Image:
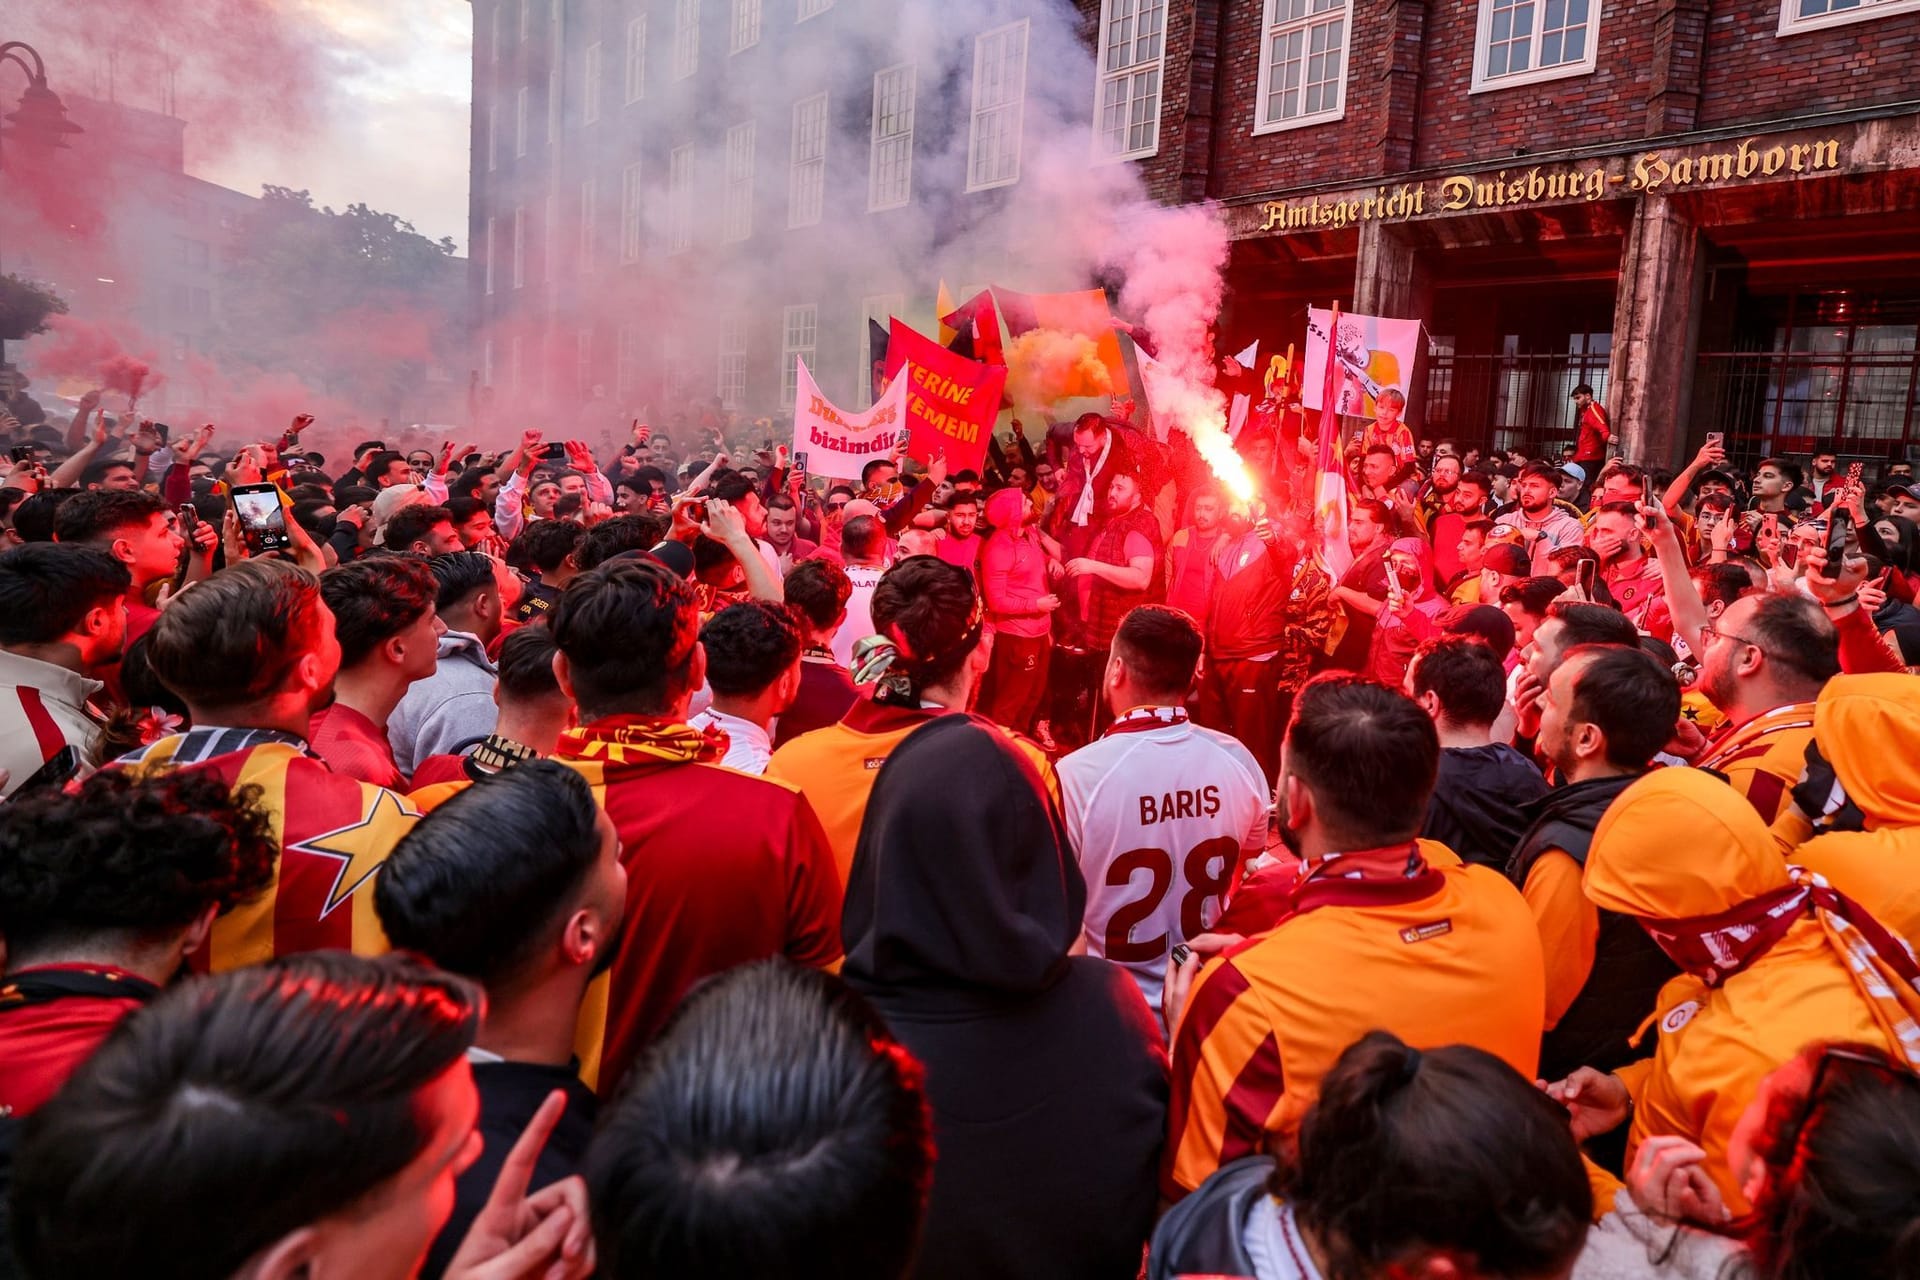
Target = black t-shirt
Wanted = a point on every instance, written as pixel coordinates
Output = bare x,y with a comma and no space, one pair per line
1367,575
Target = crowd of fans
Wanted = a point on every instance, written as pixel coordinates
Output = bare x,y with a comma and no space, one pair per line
576,862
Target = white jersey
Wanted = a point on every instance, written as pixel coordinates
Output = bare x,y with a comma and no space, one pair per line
859,623
1161,812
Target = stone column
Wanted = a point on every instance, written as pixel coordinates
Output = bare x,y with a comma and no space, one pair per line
1390,279
1656,333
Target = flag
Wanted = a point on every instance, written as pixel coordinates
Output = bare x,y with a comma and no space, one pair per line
1084,313
975,325
1371,353
837,443
942,308
1242,404
952,402
876,359
1330,478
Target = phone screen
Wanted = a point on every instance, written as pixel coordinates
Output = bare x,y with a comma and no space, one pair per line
263,521
1583,574
1839,533
21,453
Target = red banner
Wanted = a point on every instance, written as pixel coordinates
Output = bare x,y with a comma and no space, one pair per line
952,401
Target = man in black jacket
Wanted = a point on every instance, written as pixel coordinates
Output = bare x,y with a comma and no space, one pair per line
1474,809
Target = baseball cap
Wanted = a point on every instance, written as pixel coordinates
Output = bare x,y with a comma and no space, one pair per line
1575,470
1486,622
1506,558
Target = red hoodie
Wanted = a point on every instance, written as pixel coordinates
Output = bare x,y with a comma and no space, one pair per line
1013,569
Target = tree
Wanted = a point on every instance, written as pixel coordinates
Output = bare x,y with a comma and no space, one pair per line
25,306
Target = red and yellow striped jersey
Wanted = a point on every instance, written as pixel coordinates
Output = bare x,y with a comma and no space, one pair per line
1763,758
334,833
1263,1024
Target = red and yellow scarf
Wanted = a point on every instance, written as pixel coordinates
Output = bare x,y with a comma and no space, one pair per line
638,739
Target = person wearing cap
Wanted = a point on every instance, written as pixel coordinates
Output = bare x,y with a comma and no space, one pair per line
1504,564
1573,482
1771,959
1594,427
1542,525
1906,502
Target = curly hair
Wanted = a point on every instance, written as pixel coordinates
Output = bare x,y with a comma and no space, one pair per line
128,855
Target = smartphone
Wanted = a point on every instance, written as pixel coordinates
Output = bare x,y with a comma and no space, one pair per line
54,774
1770,524
1839,534
800,462
189,516
1716,439
555,451
21,453
1180,954
263,521
1854,471
1583,576
905,437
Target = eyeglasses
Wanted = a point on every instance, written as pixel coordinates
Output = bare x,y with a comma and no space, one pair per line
836,506
1710,630
1815,1087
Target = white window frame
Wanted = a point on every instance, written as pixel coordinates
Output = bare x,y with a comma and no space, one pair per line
513,362
583,359
686,38
737,207
591,71
521,105
799,336
680,165
498,10
1272,30
1791,24
589,245
493,244
526,20
486,359
631,214
810,9
731,385
807,162
549,229
743,26
875,306
1013,105
626,360
1123,76
637,59
1536,74
493,136
553,104
896,140
520,247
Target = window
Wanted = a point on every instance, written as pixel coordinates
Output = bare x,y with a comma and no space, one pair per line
745,30
738,216
890,171
549,228
626,370
583,360
799,330
589,223
590,88
520,105
680,198
553,105
491,243
686,38
493,136
1811,15
999,104
526,20
812,9
630,214
807,170
1526,41
513,361
637,59
879,308
733,363
1127,115
494,44
1303,68
486,363
519,248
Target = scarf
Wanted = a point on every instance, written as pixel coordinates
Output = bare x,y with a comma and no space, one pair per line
1084,500
1717,947
1147,719
886,663
1392,876
637,739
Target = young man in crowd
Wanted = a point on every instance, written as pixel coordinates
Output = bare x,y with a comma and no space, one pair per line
453,708
518,886
384,619
723,868
863,544
1630,574
533,713
104,893
1776,484
422,530
783,524
63,624
1161,813
1607,710
253,655
139,530
320,1107
547,551
753,668
817,592
1594,428
1430,949
962,541
1460,683
1543,525
1362,589
808,1067
1191,566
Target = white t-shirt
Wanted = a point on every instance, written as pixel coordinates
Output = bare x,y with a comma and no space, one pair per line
859,623
748,746
1160,817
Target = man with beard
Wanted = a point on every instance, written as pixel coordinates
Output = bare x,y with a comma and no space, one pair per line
1191,574
1465,501
961,545
1629,572
1441,485
1270,615
1763,664
1544,527
783,526
1377,483
536,928
1821,485
1362,590
1117,570
1606,712
1046,487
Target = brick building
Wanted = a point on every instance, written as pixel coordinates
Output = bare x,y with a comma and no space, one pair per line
1706,209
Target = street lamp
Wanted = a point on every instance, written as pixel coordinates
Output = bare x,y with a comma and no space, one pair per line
40,121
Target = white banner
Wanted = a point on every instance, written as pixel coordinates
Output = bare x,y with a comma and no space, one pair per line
837,443
1374,353
1241,405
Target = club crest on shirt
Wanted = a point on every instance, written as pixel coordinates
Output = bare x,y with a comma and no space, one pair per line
1679,1016
1423,932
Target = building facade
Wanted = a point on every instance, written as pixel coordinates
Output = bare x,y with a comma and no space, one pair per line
1707,210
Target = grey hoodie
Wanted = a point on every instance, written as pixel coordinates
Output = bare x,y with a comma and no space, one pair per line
450,709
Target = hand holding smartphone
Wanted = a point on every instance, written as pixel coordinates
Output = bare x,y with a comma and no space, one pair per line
263,520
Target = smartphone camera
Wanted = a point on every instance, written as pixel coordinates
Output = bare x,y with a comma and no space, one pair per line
263,521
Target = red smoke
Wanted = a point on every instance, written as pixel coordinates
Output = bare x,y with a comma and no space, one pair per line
95,354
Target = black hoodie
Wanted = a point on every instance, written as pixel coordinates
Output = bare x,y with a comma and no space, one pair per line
1475,809
1046,1072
